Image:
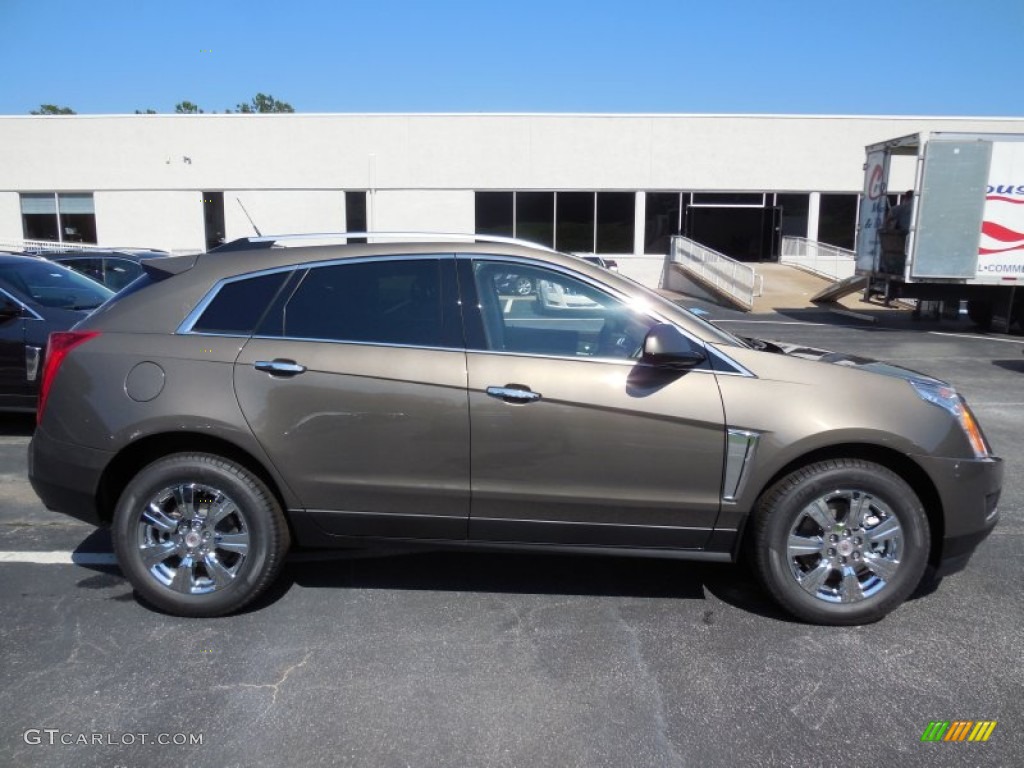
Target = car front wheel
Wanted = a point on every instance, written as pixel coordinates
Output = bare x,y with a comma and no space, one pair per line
199,535
840,542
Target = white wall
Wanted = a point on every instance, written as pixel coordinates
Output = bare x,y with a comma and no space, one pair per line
291,211
167,220
303,151
422,211
644,269
292,169
10,216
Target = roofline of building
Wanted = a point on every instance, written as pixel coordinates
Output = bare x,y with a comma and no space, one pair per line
603,115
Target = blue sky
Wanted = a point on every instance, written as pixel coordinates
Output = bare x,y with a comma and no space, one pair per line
943,57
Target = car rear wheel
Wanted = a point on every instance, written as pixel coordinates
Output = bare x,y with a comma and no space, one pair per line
199,535
840,542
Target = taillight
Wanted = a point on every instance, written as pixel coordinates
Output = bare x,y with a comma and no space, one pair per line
57,348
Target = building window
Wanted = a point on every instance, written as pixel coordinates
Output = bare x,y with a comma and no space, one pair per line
213,219
574,222
663,220
793,212
495,213
743,199
535,217
616,213
355,214
563,220
837,220
59,217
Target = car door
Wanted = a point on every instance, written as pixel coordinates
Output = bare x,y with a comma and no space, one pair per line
355,385
17,382
573,440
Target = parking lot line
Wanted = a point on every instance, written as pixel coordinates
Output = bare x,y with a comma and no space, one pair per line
59,558
976,337
771,322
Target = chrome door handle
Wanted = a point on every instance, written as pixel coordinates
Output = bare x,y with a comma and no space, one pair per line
514,393
279,367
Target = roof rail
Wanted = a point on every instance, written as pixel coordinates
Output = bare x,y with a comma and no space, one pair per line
267,241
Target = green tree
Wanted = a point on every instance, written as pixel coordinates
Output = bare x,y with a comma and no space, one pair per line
145,112
187,108
52,109
264,102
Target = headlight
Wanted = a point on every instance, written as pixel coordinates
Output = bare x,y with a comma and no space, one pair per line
946,397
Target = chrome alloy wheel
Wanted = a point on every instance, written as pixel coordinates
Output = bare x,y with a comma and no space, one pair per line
845,546
192,538
523,286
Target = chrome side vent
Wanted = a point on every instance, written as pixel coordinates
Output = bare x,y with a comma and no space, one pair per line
739,453
32,356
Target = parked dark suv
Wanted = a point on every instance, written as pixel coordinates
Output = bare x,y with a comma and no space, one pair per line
36,298
230,404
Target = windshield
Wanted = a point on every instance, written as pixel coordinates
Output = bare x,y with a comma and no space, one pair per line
52,285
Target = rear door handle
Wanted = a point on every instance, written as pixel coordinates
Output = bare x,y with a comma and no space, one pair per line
514,393
279,367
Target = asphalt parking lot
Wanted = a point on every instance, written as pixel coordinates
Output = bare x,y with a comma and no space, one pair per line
441,659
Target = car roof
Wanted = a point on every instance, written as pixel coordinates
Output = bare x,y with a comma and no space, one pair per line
18,258
134,254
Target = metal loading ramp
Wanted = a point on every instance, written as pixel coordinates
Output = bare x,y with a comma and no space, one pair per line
723,280
840,288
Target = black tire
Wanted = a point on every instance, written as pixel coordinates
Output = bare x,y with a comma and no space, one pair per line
858,498
218,566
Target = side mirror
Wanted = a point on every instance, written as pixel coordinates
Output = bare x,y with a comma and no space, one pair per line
9,309
667,347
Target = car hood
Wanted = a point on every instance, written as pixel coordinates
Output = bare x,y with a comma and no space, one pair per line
840,358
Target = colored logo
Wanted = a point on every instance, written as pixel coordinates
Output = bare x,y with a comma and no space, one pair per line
1006,234
958,730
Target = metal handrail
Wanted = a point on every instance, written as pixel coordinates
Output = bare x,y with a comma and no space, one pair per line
49,246
822,259
731,277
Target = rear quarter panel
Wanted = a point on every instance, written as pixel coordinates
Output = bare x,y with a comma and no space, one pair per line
89,404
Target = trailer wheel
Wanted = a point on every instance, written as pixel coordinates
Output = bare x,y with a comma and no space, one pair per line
980,313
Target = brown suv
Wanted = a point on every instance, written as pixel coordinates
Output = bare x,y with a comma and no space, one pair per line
225,406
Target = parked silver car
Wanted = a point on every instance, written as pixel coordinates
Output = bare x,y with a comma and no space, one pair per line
230,404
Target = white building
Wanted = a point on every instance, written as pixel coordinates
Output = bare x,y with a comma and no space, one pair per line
612,184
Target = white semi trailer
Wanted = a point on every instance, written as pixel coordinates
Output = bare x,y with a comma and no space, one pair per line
965,235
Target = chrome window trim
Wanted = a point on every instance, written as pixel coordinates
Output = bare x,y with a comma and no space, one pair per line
740,447
186,325
738,370
387,344
33,315
628,361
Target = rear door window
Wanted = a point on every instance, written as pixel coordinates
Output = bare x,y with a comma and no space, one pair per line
385,301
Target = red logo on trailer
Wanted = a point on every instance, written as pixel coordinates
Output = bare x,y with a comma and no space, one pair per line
1007,233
